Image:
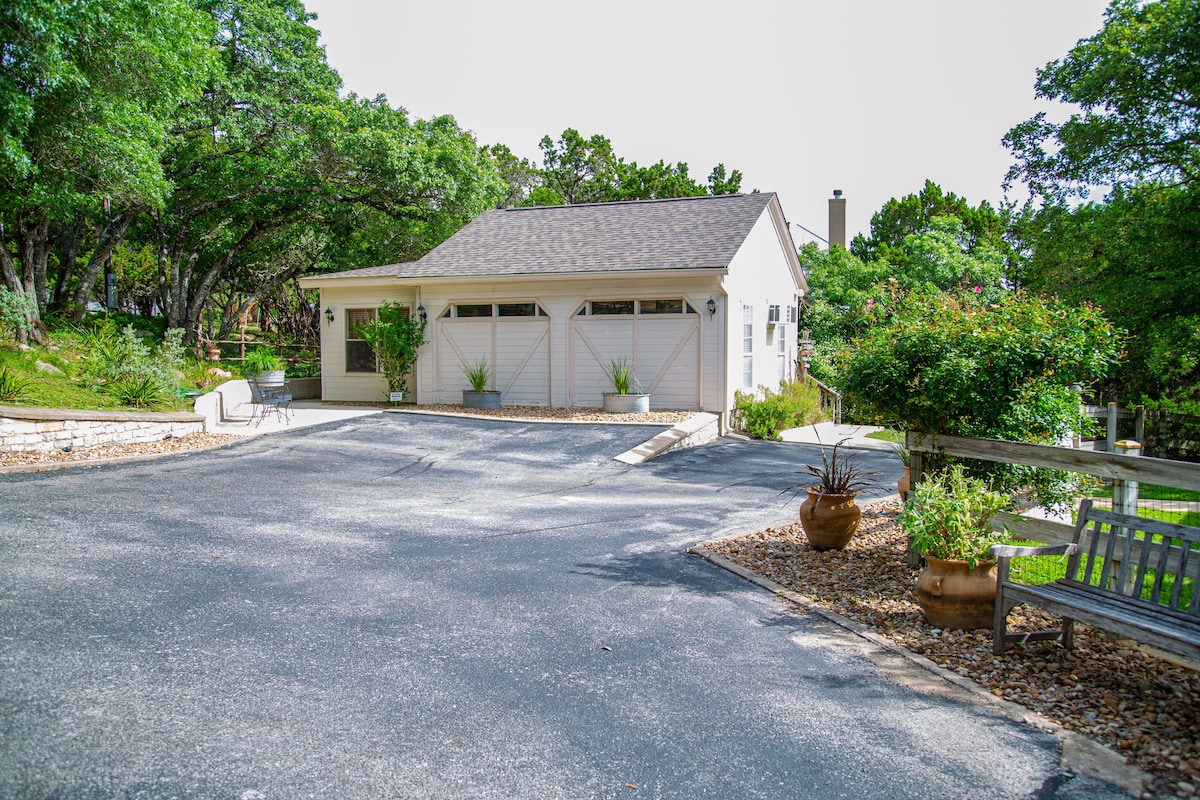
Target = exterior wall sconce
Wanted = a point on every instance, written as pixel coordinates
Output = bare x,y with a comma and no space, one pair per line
423,313
712,307
329,314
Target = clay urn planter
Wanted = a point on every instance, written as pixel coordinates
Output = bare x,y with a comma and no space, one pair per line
830,515
948,521
953,594
829,520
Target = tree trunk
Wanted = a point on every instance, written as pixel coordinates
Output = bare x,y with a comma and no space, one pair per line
110,236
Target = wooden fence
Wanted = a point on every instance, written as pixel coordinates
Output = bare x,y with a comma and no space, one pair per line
1116,467
1162,434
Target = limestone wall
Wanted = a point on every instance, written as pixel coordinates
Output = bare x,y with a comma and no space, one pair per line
44,429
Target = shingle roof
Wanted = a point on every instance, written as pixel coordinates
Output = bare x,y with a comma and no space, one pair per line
384,271
684,233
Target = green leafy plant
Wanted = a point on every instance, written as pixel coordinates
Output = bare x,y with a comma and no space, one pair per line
262,359
796,403
949,516
394,336
12,385
839,473
624,381
478,375
17,309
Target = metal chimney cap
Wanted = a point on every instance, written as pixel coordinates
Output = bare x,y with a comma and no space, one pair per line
837,193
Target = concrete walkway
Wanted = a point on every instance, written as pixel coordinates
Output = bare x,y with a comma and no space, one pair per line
829,434
304,413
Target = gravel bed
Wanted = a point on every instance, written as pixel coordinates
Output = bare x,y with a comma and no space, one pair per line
196,441
1142,706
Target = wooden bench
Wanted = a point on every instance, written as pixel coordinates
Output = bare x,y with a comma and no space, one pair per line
1124,574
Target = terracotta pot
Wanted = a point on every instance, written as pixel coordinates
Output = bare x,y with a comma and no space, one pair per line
952,595
829,520
904,483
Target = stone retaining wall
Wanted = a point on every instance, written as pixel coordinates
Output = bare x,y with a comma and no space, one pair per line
44,429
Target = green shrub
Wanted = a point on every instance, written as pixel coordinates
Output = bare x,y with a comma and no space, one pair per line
956,364
12,385
796,403
119,362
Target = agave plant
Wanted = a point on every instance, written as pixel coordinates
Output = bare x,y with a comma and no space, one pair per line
839,473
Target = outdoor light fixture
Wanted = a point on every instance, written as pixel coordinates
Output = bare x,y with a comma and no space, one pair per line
712,307
329,315
423,313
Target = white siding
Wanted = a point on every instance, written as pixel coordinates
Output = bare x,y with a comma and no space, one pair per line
336,383
759,277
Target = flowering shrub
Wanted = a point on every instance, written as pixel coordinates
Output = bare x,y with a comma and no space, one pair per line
956,364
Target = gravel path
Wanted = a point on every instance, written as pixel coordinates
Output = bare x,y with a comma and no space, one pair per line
1142,706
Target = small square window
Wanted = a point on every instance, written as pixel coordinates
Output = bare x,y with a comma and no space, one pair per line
473,310
612,307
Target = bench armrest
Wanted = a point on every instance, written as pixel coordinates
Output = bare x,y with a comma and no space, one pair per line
1009,550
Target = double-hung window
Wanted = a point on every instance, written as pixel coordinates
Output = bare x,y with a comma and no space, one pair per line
747,347
359,356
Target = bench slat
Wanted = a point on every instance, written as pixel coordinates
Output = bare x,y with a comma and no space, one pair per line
1113,599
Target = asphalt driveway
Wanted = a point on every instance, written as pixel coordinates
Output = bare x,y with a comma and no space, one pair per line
403,606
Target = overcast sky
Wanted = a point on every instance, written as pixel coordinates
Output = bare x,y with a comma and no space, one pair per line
868,96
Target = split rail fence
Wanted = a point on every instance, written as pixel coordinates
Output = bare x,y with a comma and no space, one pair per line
1123,470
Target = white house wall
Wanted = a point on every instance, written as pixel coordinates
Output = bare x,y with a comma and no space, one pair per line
759,277
336,383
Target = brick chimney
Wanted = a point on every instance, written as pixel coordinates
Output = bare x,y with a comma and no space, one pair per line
837,219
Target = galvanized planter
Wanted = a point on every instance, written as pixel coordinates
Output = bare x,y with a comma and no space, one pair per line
489,399
626,403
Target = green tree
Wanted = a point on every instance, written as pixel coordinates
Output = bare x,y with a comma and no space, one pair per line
586,170
1134,256
982,226
88,89
1137,86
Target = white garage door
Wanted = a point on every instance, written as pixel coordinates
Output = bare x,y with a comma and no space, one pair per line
513,337
659,338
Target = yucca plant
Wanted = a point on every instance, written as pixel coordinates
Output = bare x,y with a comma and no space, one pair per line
12,385
839,473
624,381
141,391
478,375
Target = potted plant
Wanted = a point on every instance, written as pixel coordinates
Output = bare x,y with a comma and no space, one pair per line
948,521
267,368
478,396
830,515
394,336
905,480
628,397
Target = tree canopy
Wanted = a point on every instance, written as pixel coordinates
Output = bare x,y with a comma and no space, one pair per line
577,169
1137,85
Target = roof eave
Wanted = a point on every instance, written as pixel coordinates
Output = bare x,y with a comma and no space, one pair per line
690,272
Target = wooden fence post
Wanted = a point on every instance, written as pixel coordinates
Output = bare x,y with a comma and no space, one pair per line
916,465
1111,440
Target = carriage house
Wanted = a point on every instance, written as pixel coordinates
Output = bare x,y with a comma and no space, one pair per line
699,295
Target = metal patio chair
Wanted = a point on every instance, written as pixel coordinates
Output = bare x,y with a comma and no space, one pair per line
277,398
